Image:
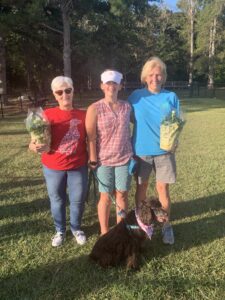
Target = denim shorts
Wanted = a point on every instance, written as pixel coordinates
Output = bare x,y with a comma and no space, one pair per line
163,165
113,178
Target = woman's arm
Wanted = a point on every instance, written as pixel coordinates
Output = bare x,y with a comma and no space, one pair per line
91,123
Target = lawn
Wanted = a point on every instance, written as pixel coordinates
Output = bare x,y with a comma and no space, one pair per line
193,268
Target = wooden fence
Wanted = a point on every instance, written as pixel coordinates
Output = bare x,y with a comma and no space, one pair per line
82,99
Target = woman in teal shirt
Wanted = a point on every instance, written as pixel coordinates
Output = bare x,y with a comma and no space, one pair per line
150,106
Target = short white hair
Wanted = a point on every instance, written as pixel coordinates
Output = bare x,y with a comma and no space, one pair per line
59,81
150,64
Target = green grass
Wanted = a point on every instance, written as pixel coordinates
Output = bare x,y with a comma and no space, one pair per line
194,268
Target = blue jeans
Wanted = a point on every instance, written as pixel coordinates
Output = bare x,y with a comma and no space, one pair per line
57,183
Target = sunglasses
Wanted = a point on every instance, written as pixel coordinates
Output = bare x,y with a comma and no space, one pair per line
67,91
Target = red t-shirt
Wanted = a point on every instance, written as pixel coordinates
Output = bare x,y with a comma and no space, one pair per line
68,139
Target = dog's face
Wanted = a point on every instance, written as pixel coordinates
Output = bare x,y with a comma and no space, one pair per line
150,210
160,215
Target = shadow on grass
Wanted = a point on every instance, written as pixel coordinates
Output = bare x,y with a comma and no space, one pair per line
202,108
197,207
13,132
19,181
206,225
199,232
5,162
24,209
13,119
70,279
14,231
78,277
187,236
202,104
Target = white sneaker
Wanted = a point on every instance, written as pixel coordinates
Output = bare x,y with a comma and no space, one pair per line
58,239
80,237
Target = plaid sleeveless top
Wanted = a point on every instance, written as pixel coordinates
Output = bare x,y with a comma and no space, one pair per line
113,134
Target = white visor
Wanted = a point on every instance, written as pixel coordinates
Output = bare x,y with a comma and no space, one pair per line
111,76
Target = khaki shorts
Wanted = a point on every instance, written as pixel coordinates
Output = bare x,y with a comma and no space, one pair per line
163,165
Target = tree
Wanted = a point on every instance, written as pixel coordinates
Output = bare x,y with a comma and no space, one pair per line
3,90
210,33
189,7
66,7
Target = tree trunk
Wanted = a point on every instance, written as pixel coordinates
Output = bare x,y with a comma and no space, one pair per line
212,40
191,43
2,71
66,41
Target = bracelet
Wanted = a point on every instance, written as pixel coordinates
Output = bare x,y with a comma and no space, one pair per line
93,163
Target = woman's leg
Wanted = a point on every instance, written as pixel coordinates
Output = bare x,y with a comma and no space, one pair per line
165,174
106,183
56,186
122,204
144,169
77,189
122,186
141,191
164,197
104,205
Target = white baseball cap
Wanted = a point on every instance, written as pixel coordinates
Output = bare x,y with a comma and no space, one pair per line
111,75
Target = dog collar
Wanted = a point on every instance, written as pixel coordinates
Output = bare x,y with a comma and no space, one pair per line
148,229
132,227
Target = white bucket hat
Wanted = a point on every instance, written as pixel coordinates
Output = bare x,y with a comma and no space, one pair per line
111,75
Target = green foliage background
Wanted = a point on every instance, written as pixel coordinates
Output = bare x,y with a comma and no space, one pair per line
119,34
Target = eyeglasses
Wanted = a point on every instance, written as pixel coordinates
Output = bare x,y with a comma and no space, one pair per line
67,91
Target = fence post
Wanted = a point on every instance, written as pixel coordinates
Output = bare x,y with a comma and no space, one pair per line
1,101
191,90
21,102
2,111
198,89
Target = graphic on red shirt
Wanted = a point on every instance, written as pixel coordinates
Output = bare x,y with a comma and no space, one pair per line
69,143
68,147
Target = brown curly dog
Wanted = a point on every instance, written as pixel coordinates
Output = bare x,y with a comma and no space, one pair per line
123,243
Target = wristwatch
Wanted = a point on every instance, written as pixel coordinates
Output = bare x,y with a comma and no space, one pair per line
93,163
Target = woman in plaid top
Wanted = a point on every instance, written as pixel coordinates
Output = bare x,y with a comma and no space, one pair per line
110,150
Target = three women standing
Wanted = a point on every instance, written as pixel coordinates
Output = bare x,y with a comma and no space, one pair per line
110,149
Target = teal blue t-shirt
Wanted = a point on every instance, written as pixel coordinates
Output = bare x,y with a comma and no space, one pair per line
149,110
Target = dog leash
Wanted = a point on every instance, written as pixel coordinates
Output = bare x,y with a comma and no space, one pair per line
148,229
121,212
91,178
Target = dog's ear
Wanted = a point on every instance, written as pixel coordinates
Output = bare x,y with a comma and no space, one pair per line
144,212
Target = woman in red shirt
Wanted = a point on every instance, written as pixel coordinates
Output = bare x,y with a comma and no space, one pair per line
65,161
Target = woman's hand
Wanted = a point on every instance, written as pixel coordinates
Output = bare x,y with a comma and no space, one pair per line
38,148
